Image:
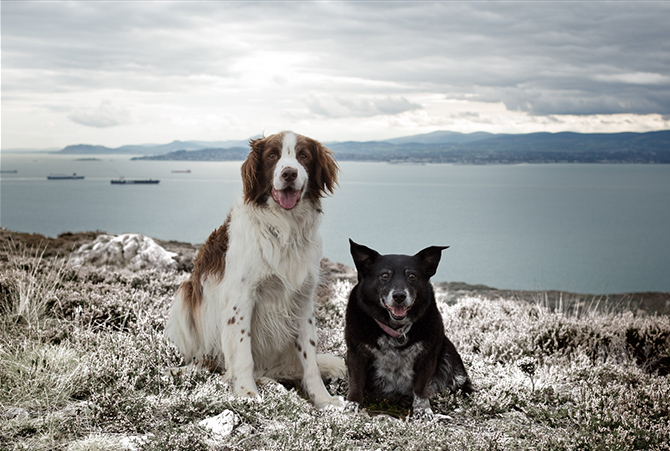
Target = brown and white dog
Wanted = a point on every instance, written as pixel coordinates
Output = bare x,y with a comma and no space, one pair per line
249,303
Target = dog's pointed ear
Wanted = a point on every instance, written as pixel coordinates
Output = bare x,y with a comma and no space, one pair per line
430,258
250,182
363,256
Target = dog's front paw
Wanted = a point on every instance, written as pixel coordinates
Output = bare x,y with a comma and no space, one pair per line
423,414
352,407
421,409
249,393
331,402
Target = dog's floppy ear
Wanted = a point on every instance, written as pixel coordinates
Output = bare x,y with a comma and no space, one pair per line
430,258
250,182
326,169
363,256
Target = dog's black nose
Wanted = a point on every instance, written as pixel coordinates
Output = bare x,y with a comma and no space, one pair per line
399,297
289,174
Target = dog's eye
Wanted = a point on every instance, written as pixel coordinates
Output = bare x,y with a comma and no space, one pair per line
385,276
272,156
411,277
303,156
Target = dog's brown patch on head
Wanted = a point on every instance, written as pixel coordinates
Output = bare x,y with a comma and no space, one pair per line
309,321
231,321
258,168
304,355
312,343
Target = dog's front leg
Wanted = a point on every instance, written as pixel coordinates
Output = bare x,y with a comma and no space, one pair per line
306,349
423,370
236,340
357,365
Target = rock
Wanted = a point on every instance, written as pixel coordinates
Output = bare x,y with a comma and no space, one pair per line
131,250
333,270
18,413
223,424
135,442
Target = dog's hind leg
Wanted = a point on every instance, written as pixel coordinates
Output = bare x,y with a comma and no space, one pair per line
331,366
450,372
182,329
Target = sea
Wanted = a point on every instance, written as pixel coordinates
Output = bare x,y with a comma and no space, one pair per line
584,228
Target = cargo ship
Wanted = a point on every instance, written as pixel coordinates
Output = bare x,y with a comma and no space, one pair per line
74,176
123,181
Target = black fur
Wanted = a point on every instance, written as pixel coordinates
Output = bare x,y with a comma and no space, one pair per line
396,291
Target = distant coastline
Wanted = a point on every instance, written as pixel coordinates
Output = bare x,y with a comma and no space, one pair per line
439,147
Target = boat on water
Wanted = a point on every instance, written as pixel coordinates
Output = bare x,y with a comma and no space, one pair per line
9,171
123,181
181,171
74,176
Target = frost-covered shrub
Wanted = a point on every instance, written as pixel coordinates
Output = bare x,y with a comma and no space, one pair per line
497,330
507,330
649,344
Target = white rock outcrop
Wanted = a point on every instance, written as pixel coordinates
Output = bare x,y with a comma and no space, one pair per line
222,424
130,250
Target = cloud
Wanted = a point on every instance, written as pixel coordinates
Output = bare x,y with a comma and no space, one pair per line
103,116
339,107
333,60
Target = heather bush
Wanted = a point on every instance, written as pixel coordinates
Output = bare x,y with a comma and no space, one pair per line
83,364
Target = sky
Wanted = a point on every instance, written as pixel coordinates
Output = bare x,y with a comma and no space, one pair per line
135,72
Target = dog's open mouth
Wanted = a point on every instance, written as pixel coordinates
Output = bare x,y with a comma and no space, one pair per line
397,312
287,198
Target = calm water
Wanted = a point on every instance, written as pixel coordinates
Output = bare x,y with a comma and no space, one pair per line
582,228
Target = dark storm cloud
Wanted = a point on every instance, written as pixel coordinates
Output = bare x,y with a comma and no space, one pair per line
538,57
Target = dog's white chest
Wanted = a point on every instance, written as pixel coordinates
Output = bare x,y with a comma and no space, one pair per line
393,368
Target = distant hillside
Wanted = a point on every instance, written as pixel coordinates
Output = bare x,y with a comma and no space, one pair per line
86,149
441,147
230,154
652,147
152,149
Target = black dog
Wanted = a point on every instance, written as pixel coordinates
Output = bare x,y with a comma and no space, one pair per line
396,345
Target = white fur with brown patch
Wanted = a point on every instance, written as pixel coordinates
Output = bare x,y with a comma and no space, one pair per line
256,317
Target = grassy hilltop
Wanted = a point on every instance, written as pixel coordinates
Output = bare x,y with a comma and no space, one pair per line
83,359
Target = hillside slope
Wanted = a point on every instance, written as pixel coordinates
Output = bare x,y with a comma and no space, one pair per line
83,360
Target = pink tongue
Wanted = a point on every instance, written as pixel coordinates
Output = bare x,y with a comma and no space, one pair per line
398,312
287,198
